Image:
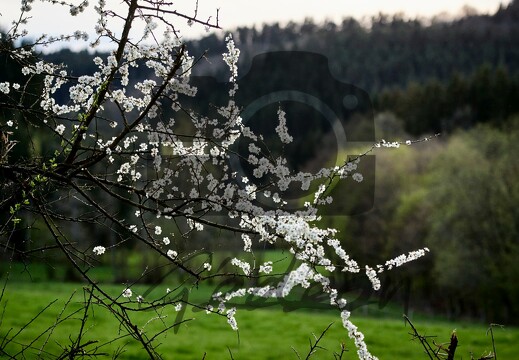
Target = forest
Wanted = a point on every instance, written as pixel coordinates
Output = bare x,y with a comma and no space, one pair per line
456,194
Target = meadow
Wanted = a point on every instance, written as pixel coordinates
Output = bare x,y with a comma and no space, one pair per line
267,333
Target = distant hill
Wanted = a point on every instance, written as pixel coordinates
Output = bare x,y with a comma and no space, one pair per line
436,76
392,52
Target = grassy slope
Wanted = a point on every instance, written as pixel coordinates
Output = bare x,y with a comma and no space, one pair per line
264,334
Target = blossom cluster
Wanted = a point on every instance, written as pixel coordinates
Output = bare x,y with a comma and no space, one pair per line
171,164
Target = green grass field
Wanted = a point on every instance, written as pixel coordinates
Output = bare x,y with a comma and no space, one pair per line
263,334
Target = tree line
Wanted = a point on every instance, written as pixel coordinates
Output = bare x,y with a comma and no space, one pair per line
437,75
456,195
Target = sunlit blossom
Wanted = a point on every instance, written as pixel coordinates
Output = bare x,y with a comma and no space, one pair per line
127,293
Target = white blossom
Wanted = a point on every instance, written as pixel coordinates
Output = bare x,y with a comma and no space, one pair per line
357,177
282,129
99,250
247,242
60,129
4,87
266,267
243,265
372,275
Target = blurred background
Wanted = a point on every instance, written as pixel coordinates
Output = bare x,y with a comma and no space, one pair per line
449,69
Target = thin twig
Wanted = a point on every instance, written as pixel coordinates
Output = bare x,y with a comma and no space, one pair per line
315,346
422,339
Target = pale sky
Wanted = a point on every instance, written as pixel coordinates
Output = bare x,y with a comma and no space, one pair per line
53,19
